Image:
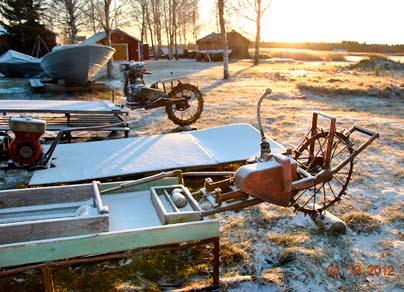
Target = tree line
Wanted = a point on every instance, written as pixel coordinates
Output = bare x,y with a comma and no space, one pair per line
349,46
159,22
174,21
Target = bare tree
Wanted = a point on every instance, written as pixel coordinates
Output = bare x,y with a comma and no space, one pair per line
254,10
108,13
139,12
173,32
106,23
156,9
188,16
91,14
220,5
195,18
67,15
167,24
166,20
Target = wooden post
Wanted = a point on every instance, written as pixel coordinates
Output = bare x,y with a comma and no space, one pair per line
47,279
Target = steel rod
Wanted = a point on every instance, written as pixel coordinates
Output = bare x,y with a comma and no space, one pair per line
208,173
170,201
232,207
158,176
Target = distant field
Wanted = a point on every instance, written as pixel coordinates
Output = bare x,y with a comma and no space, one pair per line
312,55
269,248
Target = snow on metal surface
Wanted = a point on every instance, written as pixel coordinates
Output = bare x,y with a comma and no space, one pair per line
103,159
14,57
130,211
233,143
57,106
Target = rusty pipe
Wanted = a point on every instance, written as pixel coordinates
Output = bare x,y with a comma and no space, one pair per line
309,180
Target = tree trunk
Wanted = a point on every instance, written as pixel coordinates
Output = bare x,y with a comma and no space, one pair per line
157,24
258,34
167,27
174,27
151,32
224,40
93,16
107,28
194,8
70,7
143,39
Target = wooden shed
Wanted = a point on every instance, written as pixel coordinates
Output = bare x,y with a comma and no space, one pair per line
127,47
39,40
237,43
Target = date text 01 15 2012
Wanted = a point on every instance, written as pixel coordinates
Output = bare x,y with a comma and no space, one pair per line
339,271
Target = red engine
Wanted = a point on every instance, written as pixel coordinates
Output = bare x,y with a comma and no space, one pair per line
26,148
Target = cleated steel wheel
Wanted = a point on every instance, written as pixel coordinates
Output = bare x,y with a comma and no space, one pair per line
189,109
310,156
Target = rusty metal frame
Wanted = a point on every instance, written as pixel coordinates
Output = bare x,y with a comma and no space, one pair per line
48,267
331,134
228,198
325,175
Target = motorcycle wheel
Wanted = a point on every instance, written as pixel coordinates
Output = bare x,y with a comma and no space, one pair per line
189,111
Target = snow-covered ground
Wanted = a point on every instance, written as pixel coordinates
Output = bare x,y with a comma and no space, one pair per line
269,248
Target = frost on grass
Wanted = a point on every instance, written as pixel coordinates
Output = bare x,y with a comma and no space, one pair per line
394,214
361,222
269,248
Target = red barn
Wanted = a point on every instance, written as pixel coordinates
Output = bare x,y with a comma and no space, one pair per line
127,47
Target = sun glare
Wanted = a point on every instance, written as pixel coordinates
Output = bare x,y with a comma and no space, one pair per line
371,21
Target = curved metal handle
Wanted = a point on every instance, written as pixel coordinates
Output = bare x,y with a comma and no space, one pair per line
365,131
267,92
372,136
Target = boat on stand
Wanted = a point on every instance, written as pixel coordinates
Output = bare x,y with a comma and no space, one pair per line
77,64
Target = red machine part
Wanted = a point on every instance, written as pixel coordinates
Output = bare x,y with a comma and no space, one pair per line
270,181
26,148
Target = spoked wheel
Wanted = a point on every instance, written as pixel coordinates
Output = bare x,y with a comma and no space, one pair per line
189,109
310,156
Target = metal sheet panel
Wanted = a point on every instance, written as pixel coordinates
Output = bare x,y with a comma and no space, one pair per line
106,159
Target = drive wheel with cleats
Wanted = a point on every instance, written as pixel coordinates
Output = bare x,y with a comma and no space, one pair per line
318,198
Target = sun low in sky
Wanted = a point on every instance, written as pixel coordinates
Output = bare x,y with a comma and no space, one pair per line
371,21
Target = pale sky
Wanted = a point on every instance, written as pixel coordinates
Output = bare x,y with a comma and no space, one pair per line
371,21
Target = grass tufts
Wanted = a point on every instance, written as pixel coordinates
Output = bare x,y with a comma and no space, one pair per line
361,222
288,239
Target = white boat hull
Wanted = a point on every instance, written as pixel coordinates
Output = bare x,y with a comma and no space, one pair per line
77,64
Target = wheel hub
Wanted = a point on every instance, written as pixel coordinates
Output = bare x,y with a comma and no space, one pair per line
182,105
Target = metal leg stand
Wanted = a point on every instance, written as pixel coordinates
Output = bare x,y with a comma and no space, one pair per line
47,279
216,263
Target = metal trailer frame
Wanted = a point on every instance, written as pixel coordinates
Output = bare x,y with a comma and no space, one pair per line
60,117
209,234
48,267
